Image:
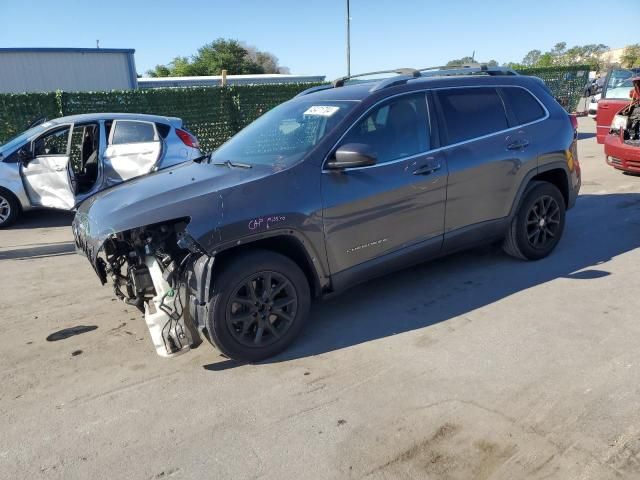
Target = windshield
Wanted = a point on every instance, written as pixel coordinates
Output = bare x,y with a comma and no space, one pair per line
284,135
12,144
617,77
622,90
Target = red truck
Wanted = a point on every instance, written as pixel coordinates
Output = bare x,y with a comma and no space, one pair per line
615,96
622,142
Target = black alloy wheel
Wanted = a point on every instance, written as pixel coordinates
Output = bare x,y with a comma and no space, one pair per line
259,304
543,222
261,309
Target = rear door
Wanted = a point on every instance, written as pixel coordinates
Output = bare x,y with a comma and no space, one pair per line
485,152
47,176
134,149
615,96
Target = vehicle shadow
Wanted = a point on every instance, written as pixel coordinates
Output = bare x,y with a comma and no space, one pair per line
585,135
599,228
39,251
43,219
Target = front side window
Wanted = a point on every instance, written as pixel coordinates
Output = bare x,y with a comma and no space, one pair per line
471,112
396,129
523,105
53,143
132,132
285,134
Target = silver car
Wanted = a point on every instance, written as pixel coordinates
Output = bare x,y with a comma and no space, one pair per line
59,163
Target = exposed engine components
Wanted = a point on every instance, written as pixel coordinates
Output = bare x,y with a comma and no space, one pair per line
147,267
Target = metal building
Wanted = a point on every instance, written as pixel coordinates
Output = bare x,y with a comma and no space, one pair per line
68,69
216,80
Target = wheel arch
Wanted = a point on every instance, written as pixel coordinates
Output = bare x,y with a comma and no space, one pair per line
287,243
554,173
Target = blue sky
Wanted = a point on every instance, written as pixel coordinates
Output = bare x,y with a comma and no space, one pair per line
309,35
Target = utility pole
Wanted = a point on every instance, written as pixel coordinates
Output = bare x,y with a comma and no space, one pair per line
348,41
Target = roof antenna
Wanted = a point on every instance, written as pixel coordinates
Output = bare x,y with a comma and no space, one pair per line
97,43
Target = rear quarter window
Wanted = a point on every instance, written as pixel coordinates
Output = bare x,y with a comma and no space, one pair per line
471,112
523,105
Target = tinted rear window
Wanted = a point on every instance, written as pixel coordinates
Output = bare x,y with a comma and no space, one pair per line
471,112
524,106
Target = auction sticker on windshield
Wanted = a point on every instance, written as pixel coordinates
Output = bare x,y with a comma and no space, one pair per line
322,110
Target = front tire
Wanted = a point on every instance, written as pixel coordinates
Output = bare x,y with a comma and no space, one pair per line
9,208
259,305
538,224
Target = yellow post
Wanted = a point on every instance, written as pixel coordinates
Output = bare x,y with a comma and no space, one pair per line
224,78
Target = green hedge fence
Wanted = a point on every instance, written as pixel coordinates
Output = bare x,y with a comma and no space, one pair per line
213,114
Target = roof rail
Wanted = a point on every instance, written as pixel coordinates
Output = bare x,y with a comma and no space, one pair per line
465,69
406,74
339,82
391,82
314,89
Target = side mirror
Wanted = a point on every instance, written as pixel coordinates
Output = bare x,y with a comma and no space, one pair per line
352,155
25,154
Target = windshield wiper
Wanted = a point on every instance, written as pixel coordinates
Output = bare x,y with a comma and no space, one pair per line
230,164
202,158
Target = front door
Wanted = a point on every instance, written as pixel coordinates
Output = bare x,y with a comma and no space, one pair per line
398,202
134,149
47,176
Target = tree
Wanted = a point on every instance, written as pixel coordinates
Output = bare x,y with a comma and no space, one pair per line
531,58
590,54
558,49
221,54
631,56
267,60
464,60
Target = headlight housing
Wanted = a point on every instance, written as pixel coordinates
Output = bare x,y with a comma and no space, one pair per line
619,123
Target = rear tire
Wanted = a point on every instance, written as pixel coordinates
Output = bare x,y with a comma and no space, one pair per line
538,224
259,305
9,208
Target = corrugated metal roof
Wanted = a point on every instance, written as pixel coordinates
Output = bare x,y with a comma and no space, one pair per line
68,69
80,50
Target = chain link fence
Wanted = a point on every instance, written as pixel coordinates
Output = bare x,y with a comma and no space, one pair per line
565,83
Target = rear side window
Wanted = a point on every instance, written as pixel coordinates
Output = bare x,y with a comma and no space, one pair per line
523,105
132,132
471,112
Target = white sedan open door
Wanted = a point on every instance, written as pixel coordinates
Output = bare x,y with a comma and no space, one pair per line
133,150
47,175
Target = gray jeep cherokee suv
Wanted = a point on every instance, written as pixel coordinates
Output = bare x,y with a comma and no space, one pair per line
341,184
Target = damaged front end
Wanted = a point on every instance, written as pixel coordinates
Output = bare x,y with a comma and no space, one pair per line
150,268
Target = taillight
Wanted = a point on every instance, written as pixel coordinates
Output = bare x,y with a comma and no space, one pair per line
574,121
188,139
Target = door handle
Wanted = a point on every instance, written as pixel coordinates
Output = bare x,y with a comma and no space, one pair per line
518,145
59,168
427,169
